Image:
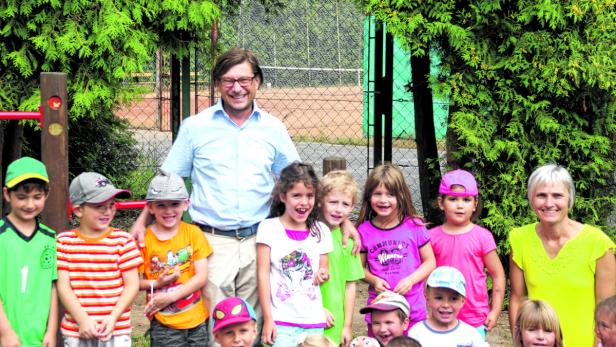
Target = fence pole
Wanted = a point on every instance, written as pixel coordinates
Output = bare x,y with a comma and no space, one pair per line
333,163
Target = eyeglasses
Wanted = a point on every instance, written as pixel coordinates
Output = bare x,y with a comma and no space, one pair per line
243,82
102,207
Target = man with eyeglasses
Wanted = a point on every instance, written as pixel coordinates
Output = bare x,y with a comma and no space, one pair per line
232,151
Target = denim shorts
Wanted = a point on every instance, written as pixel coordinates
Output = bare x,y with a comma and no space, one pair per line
161,335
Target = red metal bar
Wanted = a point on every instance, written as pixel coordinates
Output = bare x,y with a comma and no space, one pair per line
123,205
19,115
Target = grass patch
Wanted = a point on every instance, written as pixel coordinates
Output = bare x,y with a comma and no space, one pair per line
140,341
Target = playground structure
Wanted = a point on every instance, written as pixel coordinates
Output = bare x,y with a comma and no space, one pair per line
52,118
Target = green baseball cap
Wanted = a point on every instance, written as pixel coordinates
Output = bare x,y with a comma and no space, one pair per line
25,168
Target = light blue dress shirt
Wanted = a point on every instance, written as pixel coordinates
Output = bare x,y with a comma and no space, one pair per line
233,168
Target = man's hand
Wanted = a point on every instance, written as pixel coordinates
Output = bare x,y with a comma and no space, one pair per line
137,231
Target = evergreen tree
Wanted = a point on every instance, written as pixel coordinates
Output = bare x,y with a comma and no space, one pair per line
529,83
98,43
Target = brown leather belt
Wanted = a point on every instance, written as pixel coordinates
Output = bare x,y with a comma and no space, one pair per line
239,233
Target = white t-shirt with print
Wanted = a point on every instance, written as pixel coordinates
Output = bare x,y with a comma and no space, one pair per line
296,301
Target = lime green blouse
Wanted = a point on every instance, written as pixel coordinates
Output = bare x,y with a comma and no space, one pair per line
567,281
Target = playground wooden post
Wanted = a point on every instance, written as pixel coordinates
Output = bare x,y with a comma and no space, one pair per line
54,153
54,147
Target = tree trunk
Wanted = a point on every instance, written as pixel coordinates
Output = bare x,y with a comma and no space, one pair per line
427,152
11,149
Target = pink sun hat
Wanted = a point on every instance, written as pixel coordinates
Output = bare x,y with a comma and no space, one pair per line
458,178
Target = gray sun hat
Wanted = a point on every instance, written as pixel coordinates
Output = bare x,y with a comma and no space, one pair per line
94,188
167,186
387,301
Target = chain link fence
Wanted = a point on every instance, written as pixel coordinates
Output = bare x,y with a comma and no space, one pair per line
318,63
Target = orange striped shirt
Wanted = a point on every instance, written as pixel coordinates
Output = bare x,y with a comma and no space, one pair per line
95,269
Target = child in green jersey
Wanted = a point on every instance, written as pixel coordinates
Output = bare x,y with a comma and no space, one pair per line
337,192
29,306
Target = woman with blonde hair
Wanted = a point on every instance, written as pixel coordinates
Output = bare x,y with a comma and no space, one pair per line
568,264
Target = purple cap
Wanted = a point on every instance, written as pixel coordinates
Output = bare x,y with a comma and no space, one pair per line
460,178
232,310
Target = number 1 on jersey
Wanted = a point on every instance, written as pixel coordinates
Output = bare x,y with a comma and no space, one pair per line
24,278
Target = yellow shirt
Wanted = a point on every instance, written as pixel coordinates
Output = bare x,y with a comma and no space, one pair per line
566,282
187,246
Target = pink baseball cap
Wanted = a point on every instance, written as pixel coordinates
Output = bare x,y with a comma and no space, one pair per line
461,178
232,310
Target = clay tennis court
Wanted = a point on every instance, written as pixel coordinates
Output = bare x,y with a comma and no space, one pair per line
325,113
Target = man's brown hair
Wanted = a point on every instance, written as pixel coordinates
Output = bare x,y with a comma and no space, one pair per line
234,57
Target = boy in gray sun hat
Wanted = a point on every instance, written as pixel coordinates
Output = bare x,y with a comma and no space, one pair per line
175,267
97,267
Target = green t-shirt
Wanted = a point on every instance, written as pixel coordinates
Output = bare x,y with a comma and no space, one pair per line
567,281
27,270
343,267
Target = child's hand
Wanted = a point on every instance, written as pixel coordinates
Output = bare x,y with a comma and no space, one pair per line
168,276
105,329
157,303
380,285
321,277
268,336
347,336
49,340
88,329
491,320
9,339
404,286
329,318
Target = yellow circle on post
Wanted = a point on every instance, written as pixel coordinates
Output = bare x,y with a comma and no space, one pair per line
55,129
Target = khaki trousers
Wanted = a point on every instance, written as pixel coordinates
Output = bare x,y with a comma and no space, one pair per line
232,271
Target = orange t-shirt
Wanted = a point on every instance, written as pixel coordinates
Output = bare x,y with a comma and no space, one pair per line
183,249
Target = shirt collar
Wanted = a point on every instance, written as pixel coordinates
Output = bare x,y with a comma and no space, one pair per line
220,111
